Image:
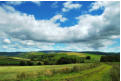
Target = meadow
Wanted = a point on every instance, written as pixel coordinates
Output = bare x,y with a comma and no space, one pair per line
90,70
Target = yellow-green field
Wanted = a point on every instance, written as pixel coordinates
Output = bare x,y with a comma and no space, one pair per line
90,70
94,57
74,53
85,72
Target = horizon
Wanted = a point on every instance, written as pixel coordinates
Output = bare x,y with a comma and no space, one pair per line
59,25
59,51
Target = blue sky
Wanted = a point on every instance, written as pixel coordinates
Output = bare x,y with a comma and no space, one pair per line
60,25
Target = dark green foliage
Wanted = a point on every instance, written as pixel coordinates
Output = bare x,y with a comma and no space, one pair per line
70,59
46,62
30,63
39,63
88,57
32,59
101,53
111,58
4,60
22,63
26,63
55,59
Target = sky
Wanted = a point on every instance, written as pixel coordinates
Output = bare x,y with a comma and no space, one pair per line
59,25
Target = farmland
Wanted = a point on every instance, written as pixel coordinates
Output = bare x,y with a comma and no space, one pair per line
89,70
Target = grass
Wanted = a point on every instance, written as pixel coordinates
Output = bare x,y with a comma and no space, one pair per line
78,54
91,70
93,74
4,60
115,72
68,72
10,72
101,73
94,57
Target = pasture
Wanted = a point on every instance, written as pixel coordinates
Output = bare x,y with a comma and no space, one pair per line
68,72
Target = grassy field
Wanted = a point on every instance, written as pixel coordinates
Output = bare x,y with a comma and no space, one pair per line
10,72
94,57
68,72
11,60
74,53
89,70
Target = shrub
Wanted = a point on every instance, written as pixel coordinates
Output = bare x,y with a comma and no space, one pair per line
30,63
39,63
46,62
70,59
22,63
110,58
88,57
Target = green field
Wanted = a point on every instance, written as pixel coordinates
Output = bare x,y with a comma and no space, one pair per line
97,72
89,70
94,57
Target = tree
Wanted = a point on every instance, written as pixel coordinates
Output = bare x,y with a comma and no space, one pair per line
22,63
88,57
30,63
110,58
39,63
70,59
63,60
46,62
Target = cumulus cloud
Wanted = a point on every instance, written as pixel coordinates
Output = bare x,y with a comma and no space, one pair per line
69,6
97,5
58,17
90,32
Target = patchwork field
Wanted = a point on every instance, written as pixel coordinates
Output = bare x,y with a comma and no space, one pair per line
62,66
94,57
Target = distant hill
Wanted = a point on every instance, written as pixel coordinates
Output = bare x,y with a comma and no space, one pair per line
56,51
101,53
9,53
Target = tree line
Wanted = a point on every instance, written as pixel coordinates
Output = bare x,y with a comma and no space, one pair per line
110,58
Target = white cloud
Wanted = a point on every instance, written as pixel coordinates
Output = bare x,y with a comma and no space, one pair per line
7,41
37,2
97,5
92,31
69,6
8,8
58,17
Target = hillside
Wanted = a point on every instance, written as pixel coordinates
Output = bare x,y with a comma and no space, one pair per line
59,66
56,51
5,60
